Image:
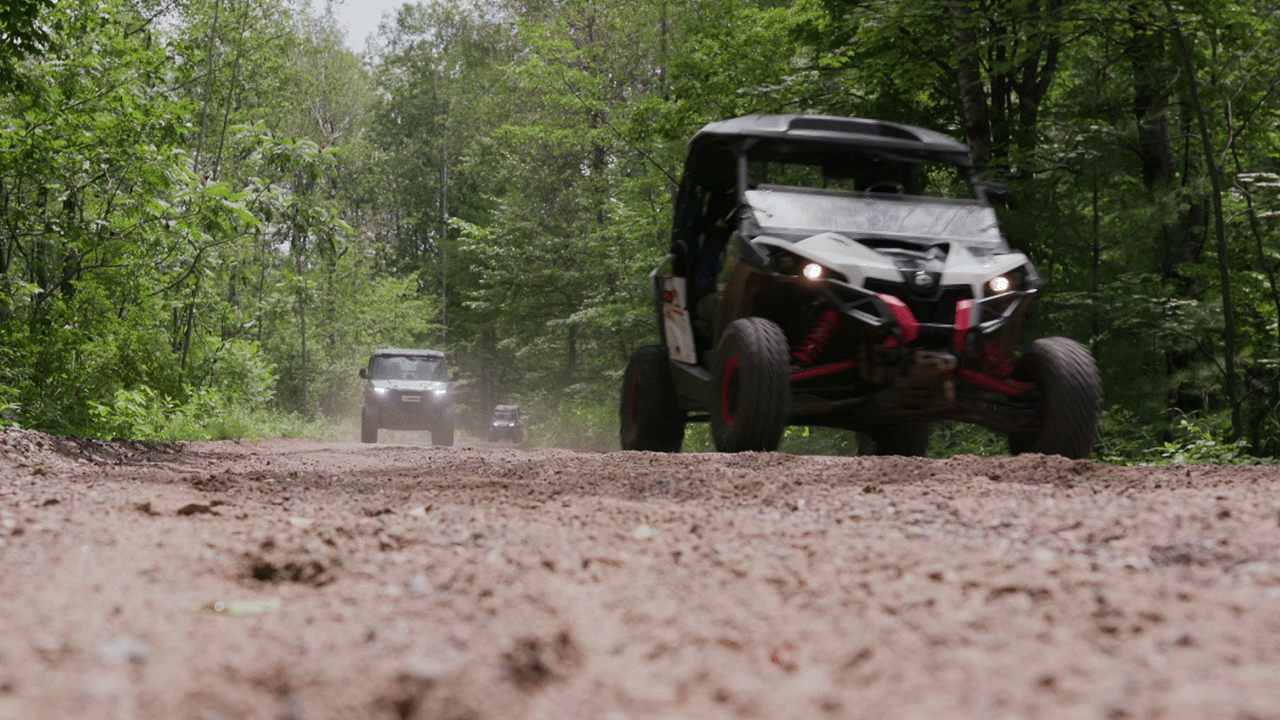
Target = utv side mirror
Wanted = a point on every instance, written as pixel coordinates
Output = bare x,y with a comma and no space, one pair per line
364,373
996,193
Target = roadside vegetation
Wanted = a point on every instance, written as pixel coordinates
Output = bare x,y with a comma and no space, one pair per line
211,210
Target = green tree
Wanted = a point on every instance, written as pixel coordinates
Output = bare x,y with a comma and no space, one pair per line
101,213
21,35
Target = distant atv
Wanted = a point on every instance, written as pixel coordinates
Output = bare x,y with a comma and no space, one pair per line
407,390
846,273
506,424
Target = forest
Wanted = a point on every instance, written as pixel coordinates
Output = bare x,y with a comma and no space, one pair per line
212,210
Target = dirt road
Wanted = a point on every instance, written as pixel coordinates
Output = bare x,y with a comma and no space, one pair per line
306,580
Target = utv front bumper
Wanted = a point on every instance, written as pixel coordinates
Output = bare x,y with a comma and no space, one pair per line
396,409
869,359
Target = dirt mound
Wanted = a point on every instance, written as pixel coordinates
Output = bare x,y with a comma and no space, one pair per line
39,452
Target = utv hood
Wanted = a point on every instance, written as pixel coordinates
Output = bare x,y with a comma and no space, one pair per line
954,242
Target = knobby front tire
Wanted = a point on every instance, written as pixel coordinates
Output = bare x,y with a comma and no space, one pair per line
752,372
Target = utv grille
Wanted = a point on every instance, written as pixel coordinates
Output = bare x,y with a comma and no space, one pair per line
935,307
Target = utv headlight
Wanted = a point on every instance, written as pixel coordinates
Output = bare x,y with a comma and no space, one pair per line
440,391
814,271
1015,279
789,263
380,392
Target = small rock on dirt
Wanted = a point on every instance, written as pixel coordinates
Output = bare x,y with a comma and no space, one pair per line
124,649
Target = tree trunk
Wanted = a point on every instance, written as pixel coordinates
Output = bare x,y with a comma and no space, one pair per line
1036,75
302,326
443,204
1152,79
973,96
208,86
444,229
571,355
1219,224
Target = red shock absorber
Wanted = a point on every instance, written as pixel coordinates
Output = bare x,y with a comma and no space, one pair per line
807,352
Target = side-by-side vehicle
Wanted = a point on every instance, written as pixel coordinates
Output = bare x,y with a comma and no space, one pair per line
847,273
407,389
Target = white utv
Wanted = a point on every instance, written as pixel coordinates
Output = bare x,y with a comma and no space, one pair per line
847,273
407,389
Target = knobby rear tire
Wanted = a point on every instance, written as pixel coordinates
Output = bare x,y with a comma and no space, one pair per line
368,427
649,415
442,433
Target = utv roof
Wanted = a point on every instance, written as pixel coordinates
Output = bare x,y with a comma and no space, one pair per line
835,130
505,408
408,351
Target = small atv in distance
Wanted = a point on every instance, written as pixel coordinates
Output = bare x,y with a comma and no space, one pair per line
506,424
846,273
407,389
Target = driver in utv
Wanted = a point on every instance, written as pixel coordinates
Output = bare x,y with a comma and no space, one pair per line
846,273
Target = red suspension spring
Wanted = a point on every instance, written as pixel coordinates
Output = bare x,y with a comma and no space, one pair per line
807,352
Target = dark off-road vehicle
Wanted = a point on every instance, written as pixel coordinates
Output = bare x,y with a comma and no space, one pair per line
407,389
506,424
846,273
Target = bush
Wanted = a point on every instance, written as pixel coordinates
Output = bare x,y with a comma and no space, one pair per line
205,414
573,424
950,439
1191,439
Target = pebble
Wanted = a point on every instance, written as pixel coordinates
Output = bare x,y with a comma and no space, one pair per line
122,649
419,585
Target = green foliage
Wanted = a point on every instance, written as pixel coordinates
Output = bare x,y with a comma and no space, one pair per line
226,215
1188,440
819,441
144,414
201,414
951,439
10,408
163,265
574,424
21,35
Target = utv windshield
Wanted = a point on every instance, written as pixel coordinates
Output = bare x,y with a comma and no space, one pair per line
797,191
405,367
797,213
867,170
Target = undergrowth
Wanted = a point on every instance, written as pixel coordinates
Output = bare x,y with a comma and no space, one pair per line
144,414
584,424
1123,438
